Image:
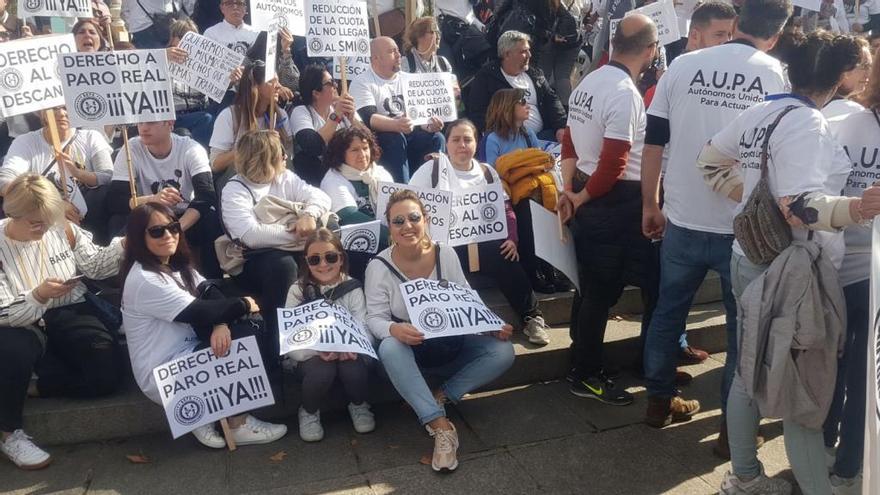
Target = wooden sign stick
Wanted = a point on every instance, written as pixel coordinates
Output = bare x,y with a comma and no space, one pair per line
376,28
562,237
342,70
131,184
272,115
473,257
227,434
56,146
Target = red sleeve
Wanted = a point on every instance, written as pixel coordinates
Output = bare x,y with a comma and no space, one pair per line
649,95
612,162
568,150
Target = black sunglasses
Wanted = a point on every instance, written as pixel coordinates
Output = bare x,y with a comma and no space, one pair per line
399,220
328,84
158,231
315,259
523,101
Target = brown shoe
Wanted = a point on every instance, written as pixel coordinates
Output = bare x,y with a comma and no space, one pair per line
722,447
663,412
692,355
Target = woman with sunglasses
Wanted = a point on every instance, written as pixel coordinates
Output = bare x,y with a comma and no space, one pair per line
324,275
467,361
164,318
322,113
505,124
43,312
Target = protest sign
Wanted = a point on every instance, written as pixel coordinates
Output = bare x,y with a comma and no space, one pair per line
354,67
477,215
337,28
322,326
56,8
268,14
207,67
871,464
814,5
443,309
200,388
437,203
123,87
271,49
427,95
664,17
549,247
360,237
29,79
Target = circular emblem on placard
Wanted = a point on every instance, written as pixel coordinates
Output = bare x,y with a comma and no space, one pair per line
363,47
316,46
413,112
11,80
189,410
90,106
32,5
488,212
452,218
280,20
446,111
433,320
360,241
306,335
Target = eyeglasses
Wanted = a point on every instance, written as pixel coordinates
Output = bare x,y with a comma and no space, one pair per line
329,84
158,231
331,258
235,4
523,101
399,220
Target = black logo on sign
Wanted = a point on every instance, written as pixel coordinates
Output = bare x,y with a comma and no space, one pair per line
363,47
316,45
488,212
452,218
280,20
91,106
307,335
433,320
11,80
446,111
33,5
361,241
413,113
189,410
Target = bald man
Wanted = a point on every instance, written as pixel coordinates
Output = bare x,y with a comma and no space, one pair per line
378,98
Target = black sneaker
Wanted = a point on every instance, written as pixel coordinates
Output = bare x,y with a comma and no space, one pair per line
541,284
603,390
572,375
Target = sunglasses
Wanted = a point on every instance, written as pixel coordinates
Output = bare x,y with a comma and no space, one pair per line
523,101
399,220
331,258
329,84
158,231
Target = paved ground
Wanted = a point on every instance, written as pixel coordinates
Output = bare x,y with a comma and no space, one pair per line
532,439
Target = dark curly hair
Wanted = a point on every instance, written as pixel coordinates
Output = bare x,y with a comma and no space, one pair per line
334,155
816,64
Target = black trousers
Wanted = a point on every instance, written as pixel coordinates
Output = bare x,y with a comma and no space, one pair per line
318,376
81,360
526,235
97,218
509,276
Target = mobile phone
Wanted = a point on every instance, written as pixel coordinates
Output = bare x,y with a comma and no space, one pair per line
74,279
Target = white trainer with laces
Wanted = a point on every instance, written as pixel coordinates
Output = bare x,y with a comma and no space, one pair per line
445,449
536,330
361,417
19,448
310,429
208,436
254,431
760,485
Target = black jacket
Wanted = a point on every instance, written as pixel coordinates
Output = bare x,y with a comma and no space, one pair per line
489,80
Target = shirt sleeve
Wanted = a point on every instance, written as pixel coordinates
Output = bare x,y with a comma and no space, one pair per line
159,296
300,119
96,262
726,141
316,201
493,148
620,122
659,106
798,158
362,95
339,190
378,287
100,162
222,138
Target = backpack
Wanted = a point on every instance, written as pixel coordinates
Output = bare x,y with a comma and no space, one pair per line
311,291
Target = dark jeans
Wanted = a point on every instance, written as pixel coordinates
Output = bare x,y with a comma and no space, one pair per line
685,257
318,376
526,236
148,39
81,360
403,154
199,124
846,418
508,276
97,219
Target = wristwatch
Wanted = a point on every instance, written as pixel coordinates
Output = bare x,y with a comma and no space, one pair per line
335,117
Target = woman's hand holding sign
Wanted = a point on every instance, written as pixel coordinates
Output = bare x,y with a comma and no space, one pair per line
406,333
176,55
505,332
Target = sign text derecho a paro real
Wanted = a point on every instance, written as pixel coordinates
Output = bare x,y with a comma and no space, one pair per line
444,309
322,326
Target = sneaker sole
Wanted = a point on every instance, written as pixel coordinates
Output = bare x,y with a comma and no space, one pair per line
588,395
538,340
445,470
31,467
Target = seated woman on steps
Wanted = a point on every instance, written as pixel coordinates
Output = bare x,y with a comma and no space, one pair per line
467,362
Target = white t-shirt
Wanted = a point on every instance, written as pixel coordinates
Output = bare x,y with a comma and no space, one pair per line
368,89
223,137
524,82
305,117
700,94
804,157
186,160
607,104
840,107
238,39
462,9
150,302
341,191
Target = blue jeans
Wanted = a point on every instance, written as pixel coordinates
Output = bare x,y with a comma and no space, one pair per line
482,359
199,124
846,418
403,154
685,257
803,446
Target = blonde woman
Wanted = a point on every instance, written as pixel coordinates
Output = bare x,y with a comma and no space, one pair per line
42,311
420,48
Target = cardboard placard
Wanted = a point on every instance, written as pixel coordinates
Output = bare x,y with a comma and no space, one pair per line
271,54
200,388
337,28
871,461
443,309
123,87
814,5
290,14
664,17
322,326
427,95
477,215
207,67
55,8
548,245
29,77
438,204
360,237
354,67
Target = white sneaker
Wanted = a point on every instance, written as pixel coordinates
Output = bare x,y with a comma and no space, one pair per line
846,486
208,436
445,449
310,429
361,417
536,330
254,431
21,451
760,485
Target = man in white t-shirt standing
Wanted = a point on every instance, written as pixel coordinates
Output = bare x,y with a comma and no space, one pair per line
378,98
602,197
232,31
701,93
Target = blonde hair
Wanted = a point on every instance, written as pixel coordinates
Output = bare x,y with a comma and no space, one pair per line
400,196
32,192
259,156
180,27
417,29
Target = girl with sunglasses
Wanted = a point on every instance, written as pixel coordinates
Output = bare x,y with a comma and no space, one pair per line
467,362
324,275
505,124
164,318
44,316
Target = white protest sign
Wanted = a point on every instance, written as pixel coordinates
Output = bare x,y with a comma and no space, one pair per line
354,67
322,326
207,67
122,87
29,77
271,54
360,237
437,203
200,388
477,215
549,248
871,461
664,17
443,309
427,95
289,14
814,5
337,28
56,8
